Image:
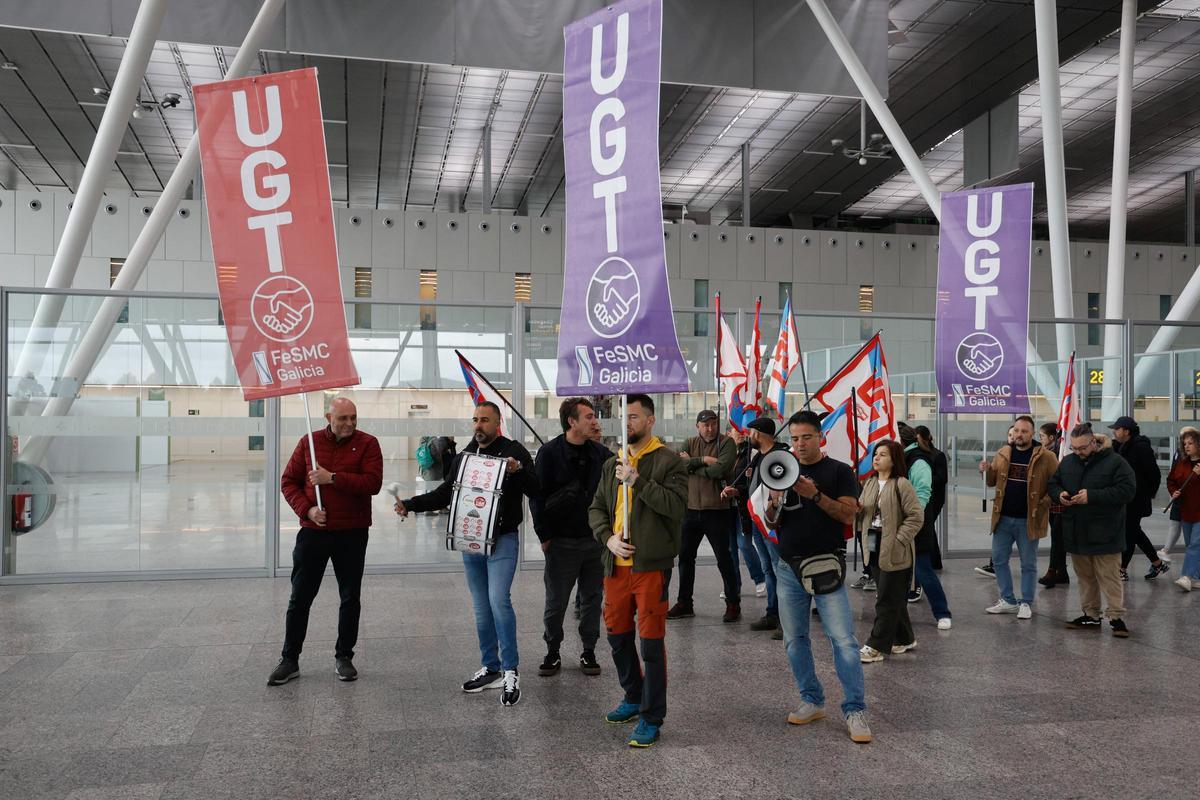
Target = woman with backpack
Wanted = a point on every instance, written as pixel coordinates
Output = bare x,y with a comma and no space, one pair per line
889,518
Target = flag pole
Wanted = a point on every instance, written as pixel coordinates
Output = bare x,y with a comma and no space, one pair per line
857,353
854,457
507,402
312,447
717,364
800,350
624,456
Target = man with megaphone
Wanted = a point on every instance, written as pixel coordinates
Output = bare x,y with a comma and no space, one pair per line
812,499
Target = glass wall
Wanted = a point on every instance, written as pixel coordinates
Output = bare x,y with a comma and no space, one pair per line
152,463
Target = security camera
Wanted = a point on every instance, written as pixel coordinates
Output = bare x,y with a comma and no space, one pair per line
170,100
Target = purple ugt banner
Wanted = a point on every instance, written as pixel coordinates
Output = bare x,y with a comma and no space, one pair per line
617,332
983,300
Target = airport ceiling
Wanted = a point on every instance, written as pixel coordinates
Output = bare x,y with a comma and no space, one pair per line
410,135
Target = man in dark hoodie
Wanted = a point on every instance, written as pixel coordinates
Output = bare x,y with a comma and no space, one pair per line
1139,455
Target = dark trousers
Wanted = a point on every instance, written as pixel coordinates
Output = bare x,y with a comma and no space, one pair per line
570,562
715,526
1136,538
313,551
1058,551
892,625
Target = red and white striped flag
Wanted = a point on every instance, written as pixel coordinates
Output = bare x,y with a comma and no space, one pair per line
1068,411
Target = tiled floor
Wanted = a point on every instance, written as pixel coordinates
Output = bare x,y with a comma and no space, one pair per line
157,690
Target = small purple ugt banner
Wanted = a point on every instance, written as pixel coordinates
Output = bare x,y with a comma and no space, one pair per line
982,323
617,331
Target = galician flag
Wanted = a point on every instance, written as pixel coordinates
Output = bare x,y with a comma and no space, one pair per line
785,359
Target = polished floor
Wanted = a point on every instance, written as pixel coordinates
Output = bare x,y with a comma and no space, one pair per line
157,690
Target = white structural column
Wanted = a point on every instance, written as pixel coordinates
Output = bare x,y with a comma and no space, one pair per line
92,344
1114,290
1056,182
91,186
879,107
746,184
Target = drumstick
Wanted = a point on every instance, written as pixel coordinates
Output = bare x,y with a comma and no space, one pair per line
1167,507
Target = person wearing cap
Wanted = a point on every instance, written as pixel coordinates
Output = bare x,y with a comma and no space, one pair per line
1139,455
709,458
761,433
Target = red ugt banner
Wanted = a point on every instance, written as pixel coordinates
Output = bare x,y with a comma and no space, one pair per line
266,186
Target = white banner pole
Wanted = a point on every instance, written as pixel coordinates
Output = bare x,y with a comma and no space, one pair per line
312,447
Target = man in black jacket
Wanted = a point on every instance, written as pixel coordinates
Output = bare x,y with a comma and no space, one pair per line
1094,485
1139,454
490,577
568,469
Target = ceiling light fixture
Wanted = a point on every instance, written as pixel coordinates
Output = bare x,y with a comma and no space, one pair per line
869,147
10,66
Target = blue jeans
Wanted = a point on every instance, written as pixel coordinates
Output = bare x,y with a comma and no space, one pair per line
795,616
1191,560
490,579
928,580
766,556
739,541
1010,531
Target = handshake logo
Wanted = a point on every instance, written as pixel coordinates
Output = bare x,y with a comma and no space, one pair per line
613,298
282,308
979,356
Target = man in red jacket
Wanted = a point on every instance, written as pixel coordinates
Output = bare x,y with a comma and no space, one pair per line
349,470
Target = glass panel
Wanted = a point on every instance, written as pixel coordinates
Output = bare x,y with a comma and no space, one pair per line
152,467
412,387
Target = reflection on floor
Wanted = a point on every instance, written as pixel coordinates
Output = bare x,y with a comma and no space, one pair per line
211,515
157,690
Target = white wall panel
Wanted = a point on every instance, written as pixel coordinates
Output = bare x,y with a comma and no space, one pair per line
546,246
387,239
63,203
199,276
860,258
139,211
35,223
693,252
164,276
1183,264
722,252
912,260
812,297
671,236
833,257
8,221
1158,273
751,253
18,269
183,233
806,257
452,235
353,226
206,253
514,244
467,285
420,240
778,263
887,259
110,232
92,274
484,242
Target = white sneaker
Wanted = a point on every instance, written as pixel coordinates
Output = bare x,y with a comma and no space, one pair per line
722,595
760,590
1184,582
1003,607
899,649
1024,612
1164,555
944,624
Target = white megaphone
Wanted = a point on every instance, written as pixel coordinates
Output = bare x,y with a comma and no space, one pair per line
779,470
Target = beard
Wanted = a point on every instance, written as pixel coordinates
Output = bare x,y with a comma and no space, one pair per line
634,438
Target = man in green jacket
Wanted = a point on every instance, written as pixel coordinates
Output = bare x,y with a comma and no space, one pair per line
709,460
646,486
1094,484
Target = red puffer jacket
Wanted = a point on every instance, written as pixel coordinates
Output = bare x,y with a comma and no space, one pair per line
357,464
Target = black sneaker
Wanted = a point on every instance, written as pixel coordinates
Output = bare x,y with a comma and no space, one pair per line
1156,571
484,679
777,634
345,670
588,663
1124,574
987,570
915,595
1084,623
1118,628
550,665
769,622
681,610
284,672
512,688
861,582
